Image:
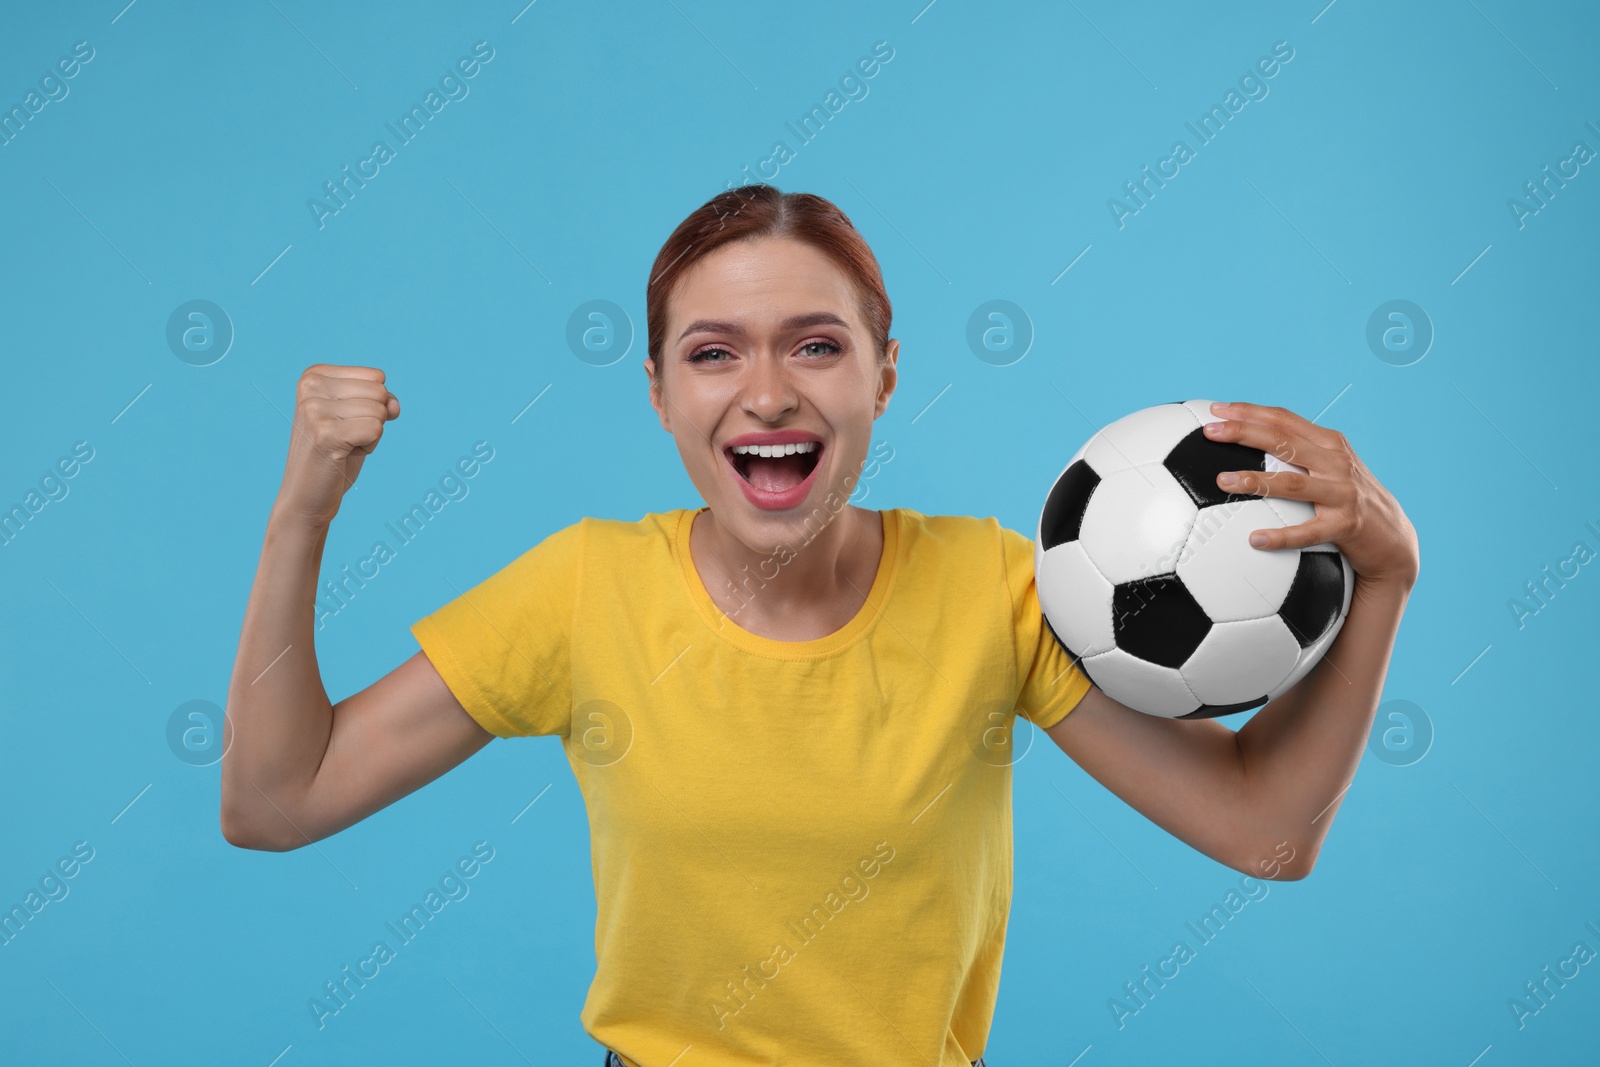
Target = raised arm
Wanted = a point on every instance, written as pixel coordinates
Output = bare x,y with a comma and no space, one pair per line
295,767
1262,800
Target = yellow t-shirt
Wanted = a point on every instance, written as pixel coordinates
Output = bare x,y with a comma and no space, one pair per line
801,849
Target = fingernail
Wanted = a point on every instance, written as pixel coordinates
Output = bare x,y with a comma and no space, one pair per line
1219,406
1258,539
1213,428
1227,478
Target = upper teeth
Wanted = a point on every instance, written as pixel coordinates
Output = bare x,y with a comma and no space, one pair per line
775,450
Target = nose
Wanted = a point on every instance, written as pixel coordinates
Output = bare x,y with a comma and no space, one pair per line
769,393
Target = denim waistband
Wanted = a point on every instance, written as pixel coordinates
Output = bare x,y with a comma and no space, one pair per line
613,1060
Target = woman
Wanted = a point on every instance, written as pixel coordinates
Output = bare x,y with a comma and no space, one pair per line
779,706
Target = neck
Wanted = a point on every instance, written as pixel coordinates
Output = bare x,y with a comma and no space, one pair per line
813,576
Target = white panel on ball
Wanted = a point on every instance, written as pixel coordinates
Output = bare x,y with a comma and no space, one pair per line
1143,437
1240,661
1229,577
1138,518
1138,683
1272,463
1291,512
1075,597
1201,410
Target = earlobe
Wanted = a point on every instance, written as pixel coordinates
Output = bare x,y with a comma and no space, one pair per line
888,376
655,394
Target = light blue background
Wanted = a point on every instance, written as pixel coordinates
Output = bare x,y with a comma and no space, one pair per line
979,166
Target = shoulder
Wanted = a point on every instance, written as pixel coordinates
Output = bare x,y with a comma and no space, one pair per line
977,541
947,527
656,529
978,548
960,530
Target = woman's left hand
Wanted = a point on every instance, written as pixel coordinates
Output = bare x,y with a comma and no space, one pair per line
1354,511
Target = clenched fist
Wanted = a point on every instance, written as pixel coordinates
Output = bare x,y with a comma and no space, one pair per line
339,415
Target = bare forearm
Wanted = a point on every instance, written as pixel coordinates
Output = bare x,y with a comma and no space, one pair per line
278,716
1300,753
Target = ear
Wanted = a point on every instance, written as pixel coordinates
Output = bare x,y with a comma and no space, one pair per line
657,401
888,377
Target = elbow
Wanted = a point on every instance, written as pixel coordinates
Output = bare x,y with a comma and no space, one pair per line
238,840
244,839
261,820
238,834
1281,872
1289,873
241,831
1281,861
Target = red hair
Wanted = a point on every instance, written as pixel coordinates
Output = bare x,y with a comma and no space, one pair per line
752,211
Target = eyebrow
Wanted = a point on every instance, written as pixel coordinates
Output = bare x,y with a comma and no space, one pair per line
793,322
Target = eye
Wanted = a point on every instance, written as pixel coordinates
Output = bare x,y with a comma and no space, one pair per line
832,348
699,357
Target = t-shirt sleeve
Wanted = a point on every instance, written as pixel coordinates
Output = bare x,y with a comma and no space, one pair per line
1050,683
504,646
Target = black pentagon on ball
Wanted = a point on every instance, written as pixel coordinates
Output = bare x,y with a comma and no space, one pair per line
1315,596
1196,461
1211,711
1158,620
1064,507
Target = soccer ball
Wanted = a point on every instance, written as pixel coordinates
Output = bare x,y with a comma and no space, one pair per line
1146,575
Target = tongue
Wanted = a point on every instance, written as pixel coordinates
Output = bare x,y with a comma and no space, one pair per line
775,474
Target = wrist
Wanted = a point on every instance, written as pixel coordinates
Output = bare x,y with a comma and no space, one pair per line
1387,589
288,523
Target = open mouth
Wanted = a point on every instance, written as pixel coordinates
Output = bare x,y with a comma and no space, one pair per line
775,468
